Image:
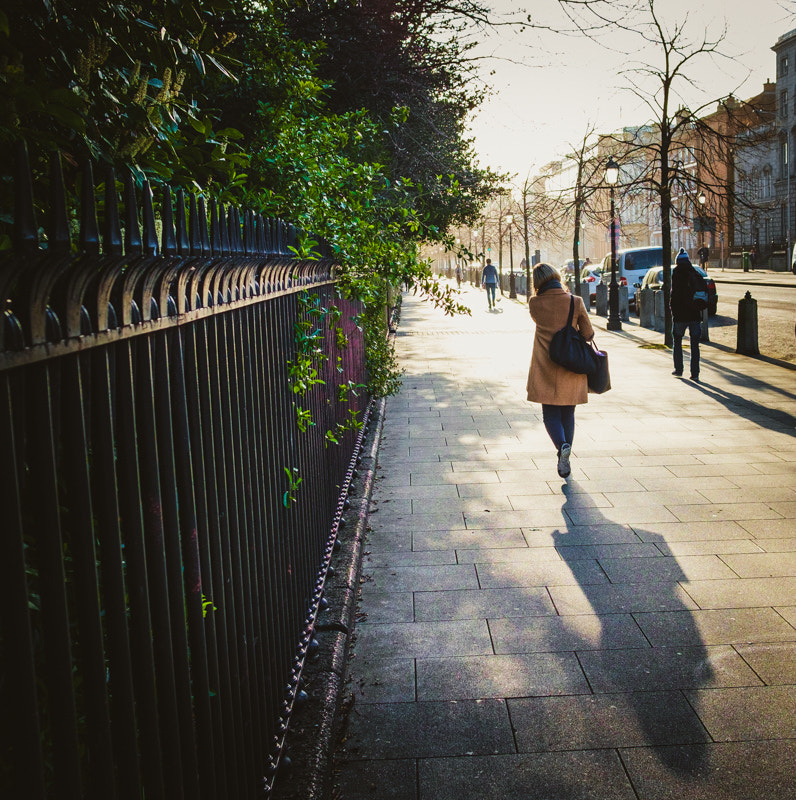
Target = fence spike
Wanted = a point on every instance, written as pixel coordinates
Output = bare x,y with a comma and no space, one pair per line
236,234
251,232
234,230
132,233
253,239
168,239
57,226
243,234
239,230
280,236
88,238
223,221
215,230
203,232
182,231
150,234
112,237
292,236
194,226
261,235
25,236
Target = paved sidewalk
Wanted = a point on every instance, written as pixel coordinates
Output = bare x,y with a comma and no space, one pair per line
626,634
755,277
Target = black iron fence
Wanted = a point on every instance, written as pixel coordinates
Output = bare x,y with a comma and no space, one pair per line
168,508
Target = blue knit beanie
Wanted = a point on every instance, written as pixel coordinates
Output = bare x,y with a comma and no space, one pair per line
682,256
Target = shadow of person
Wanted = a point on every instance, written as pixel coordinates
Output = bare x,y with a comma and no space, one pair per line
764,416
660,655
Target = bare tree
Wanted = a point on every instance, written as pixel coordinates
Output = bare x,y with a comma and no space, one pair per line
581,200
676,53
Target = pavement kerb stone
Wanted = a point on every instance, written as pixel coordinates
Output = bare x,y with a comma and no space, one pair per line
311,738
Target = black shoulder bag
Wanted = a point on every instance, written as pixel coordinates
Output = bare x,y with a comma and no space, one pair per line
570,350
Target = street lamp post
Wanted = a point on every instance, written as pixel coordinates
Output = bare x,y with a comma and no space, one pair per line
614,320
475,278
512,282
701,199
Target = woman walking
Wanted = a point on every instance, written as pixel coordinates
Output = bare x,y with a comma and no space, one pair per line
556,388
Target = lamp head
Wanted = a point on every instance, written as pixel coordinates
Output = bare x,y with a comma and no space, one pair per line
611,171
509,219
702,199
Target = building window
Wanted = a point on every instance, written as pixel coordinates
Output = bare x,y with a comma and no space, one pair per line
783,65
783,159
783,103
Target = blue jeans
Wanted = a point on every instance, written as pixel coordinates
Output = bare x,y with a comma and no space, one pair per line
490,293
694,334
559,422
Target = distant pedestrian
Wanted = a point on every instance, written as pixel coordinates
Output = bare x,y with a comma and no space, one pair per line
556,388
753,257
704,256
459,276
685,315
489,281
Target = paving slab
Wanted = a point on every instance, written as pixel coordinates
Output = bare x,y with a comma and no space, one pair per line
747,713
725,626
575,775
773,663
430,729
429,639
736,771
590,722
500,676
564,633
483,603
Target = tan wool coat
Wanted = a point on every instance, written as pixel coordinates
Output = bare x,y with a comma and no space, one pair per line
549,383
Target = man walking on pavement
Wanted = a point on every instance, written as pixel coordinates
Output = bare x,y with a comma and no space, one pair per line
685,315
704,254
489,281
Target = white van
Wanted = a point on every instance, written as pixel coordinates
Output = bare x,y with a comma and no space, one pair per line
632,265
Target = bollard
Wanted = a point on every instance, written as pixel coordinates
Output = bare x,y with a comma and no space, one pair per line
602,300
746,261
585,294
705,337
747,326
624,305
660,313
646,307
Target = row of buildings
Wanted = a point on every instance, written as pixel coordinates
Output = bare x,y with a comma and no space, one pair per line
733,186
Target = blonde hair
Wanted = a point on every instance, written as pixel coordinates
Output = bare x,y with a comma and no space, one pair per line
542,273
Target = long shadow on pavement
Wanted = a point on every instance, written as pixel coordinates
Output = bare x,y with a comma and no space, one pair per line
765,417
647,684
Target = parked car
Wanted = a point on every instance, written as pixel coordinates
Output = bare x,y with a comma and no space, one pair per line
567,269
631,266
654,280
590,274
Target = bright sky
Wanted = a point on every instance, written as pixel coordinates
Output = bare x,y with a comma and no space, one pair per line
543,105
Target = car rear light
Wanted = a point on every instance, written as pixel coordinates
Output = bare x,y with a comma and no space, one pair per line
623,281
590,279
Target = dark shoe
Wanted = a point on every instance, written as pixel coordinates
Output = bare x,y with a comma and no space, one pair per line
563,460
678,374
695,378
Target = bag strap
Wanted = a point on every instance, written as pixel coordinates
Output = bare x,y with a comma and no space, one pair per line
571,310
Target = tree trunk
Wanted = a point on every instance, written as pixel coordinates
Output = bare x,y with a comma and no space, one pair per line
666,242
575,245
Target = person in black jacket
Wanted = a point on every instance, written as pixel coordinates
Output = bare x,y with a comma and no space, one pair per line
685,315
